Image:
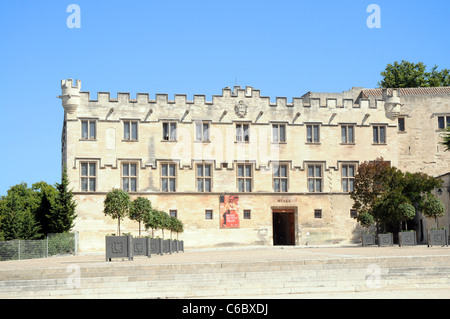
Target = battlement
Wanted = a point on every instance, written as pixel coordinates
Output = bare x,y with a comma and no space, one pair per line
347,99
69,84
387,100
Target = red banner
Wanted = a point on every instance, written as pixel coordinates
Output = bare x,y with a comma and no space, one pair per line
229,211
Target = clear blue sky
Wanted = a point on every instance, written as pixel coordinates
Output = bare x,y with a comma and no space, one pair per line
283,47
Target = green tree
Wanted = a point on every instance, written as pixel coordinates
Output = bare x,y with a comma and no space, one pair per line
140,209
369,184
17,213
433,208
176,226
153,221
393,205
385,195
418,187
46,195
62,215
116,205
412,75
165,221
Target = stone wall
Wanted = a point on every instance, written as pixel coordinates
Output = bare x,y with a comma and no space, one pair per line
415,149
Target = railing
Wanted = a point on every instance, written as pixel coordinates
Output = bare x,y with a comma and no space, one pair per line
53,244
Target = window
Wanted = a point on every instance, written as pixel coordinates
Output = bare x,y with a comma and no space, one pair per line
242,132
130,130
202,131
348,177
401,124
208,214
313,133
317,213
247,214
203,175
353,213
129,177
348,134
88,177
88,129
379,134
443,122
315,178
169,131
173,213
280,178
278,133
244,177
168,177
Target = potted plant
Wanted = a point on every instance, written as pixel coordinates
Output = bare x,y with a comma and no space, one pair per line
368,239
433,207
177,227
116,205
385,239
119,247
406,211
140,208
407,238
437,237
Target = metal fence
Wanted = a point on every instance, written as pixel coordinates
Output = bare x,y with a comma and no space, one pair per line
53,244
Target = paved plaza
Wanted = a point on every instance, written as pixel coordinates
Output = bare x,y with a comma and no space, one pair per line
235,254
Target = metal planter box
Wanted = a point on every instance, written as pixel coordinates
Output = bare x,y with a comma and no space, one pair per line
174,245
180,244
437,238
156,246
385,240
141,246
368,240
167,246
407,238
119,247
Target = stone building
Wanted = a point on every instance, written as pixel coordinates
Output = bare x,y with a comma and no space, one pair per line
241,169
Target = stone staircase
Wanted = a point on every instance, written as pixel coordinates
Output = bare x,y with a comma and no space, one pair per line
227,279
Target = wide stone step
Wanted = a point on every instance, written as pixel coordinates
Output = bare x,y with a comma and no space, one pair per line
124,280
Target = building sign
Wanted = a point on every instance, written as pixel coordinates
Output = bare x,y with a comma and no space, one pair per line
229,211
285,200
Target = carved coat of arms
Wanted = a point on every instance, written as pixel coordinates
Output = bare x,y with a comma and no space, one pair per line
241,109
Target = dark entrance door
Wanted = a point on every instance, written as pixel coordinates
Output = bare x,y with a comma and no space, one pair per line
283,227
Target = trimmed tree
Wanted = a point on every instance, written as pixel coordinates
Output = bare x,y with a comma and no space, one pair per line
165,222
140,209
116,205
176,226
433,208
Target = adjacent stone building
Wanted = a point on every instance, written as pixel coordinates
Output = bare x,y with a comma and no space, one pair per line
241,169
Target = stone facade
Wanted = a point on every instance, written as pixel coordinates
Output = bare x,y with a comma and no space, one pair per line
289,164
